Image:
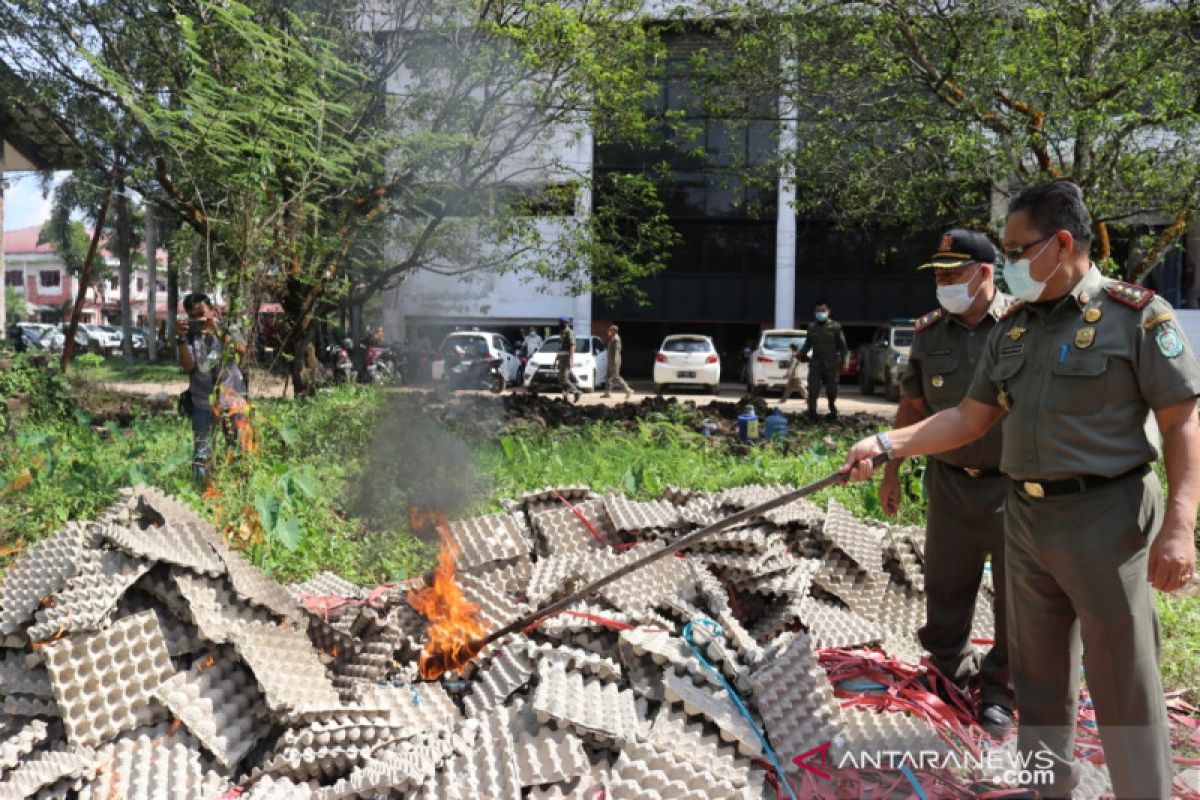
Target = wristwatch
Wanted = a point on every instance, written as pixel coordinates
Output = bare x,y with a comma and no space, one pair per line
886,444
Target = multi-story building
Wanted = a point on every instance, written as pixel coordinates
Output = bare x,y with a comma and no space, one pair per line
38,273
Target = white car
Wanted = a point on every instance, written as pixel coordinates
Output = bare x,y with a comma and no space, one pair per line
493,344
687,359
769,361
590,366
100,339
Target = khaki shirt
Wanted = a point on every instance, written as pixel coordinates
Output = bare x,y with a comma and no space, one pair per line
939,371
827,343
1078,376
614,354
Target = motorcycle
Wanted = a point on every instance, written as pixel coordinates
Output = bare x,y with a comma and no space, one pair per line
380,364
476,372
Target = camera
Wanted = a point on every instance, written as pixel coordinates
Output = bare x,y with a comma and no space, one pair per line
195,326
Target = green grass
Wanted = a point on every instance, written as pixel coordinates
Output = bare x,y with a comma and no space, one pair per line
1179,630
115,370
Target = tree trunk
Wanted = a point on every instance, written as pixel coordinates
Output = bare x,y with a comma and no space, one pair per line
152,284
172,293
197,277
124,243
85,280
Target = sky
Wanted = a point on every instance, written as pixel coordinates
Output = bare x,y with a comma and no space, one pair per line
23,201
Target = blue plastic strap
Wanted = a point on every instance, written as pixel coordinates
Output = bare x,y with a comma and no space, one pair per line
717,631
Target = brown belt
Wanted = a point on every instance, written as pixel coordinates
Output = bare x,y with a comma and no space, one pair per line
1080,483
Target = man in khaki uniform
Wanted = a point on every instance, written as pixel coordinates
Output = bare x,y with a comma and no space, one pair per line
827,344
792,384
614,364
1073,372
964,487
565,358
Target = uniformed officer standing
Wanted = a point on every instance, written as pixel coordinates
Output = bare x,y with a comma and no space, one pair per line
828,346
1073,371
614,363
565,358
964,487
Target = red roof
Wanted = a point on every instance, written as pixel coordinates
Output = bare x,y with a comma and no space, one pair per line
24,240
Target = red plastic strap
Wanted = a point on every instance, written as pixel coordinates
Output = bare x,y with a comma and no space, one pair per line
592,528
607,622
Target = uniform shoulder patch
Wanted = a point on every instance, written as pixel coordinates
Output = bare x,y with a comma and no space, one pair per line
1016,306
1129,294
933,316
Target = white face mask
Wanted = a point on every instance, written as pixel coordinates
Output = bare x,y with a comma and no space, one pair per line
955,298
1021,284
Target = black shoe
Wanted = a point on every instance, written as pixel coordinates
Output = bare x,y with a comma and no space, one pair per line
996,720
831,416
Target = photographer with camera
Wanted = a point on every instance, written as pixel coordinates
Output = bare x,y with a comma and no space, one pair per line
213,377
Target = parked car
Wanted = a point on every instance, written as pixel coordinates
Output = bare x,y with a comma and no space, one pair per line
476,342
687,360
30,332
769,361
140,343
53,339
101,339
590,366
882,362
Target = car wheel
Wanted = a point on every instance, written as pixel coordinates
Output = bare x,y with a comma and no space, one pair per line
658,389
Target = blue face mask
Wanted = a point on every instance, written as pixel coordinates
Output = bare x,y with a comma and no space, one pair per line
822,316
1021,284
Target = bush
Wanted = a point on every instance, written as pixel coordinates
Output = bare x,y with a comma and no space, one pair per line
33,384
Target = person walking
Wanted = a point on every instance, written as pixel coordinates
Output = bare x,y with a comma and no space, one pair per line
531,342
964,487
566,358
614,363
1071,373
792,384
827,344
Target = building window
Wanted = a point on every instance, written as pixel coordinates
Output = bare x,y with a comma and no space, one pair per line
13,277
50,278
141,284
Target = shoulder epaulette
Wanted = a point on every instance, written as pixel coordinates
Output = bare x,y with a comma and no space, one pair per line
933,316
1129,294
1014,308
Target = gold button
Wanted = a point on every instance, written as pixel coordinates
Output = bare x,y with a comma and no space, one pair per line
937,381
1091,315
1034,489
1084,338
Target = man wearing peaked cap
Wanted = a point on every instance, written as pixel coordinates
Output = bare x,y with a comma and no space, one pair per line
964,487
1070,373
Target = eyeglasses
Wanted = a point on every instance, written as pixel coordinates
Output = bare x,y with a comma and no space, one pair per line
1016,253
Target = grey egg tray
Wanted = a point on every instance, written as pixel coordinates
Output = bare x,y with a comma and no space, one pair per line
629,516
494,682
26,737
45,768
89,598
492,537
862,542
644,771
594,709
41,571
186,544
19,676
561,529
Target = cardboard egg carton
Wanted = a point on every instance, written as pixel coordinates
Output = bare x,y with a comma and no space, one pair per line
486,770
105,682
181,637
644,771
631,516
19,676
418,707
594,709
701,511
326,584
861,542
89,597
716,706
496,608
795,698
185,544
543,754
218,702
492,537
276,787
213,607
555,576
150,766
23,739
860,589
831,625
563,530
254,586
902,609
41,571
324,763
510,576
746,540
575,658
871,733
576,493
45,768
803,514
16,706
696,740
494,682
646,587
285,666
743,497
778,617
789,583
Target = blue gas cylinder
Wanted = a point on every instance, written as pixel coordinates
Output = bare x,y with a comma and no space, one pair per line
776,426
748,425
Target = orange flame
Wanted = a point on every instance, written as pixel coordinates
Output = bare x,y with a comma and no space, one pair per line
455,627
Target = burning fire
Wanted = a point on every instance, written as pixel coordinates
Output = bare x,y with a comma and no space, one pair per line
235,414
455,628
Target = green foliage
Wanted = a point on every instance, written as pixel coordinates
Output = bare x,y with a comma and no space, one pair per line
16,306
42,389
1179,624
